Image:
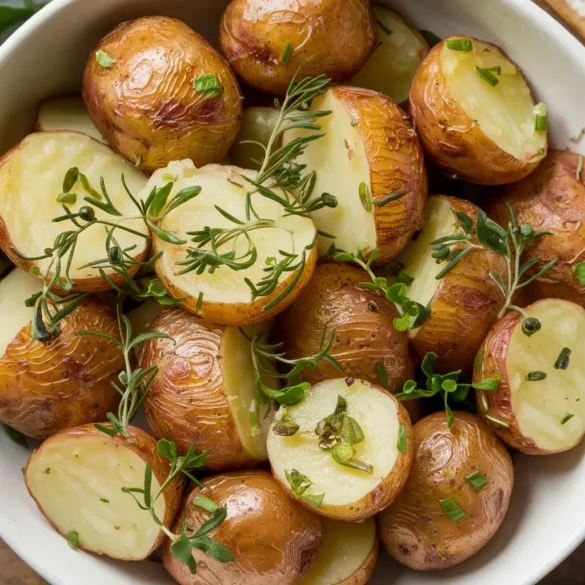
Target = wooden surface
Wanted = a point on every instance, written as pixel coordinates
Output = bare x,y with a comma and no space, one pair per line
572,572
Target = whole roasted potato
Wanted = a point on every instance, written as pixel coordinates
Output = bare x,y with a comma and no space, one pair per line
267,41
464,304
273,539
46,387
539,357
456,496
475,114
552,199
158,92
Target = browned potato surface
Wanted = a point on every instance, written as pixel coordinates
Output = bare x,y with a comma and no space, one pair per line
267,41
273,539
167,95
415,528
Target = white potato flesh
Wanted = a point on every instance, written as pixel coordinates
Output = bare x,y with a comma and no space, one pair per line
391,68
225,187
505,113
418,263
541,406
345,548
71,477
375,412
67,113
257,125
31,179
342,165
15,288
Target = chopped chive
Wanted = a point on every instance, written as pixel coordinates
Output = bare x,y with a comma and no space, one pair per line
199,302
286,54
488,75
459,44
382,374
562,362
567,418
73,539
430,37
104,59
452,509
530,326
47,471
365,197
535,376
498,422
540,121
477,480
402,440
390,198
384,27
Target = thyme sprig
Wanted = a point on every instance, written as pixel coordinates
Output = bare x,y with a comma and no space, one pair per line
485,234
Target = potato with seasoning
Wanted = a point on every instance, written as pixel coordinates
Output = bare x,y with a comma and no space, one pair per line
267,41
456,496
158,92
273,540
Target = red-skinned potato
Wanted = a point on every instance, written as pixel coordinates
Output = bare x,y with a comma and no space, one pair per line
267,41
76,479
273,539
415,528
158,92
538,357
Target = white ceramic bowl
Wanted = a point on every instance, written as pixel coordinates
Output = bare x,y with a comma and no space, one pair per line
45,58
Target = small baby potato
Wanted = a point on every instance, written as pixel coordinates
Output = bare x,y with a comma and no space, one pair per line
76,479
344,451
267,41
158,92
539,357
475,114
46,387
273,539
552,199
456,496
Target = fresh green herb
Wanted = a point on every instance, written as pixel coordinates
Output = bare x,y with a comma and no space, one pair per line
286,53
285,428
11,15
104,59
344,454
365,197
540,121
459,44
567,418
489,75
206,503
386,30
430,37
390,198
73,539
477,480
402,439
47,471
579,270
209,86
562,362
498,422
452,509
155,290
299,484
15,436
530,326
535,376
67,198
354,122
405,279
104,500
382,374
199,302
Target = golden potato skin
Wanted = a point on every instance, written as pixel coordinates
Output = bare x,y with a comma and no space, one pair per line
331,37
552,199
146,104
464,308
145,446
273,539
396,161
187,404
48,387
414,528
451,139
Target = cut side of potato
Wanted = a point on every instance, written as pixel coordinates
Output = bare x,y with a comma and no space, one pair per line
223,296
257,124
368,153
76,479
399,52
540,405
349,494
66,113
347,556
31,179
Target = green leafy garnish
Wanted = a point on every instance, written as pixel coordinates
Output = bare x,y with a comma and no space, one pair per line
11,15
459,44
562,362
530,326
540,119
535,376
402,439
206,503
365,197
452,509
579,270
73,539
299,484
430,37
489,75
567,418
382,374
477,480
286,53
104,59
208,85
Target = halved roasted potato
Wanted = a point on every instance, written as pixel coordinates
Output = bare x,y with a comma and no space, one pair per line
46,387
347,556
351,452
371,161
217,288
76,479
66,113
400,50
273,540
456,496
175,96
268,43
552,199
539,407
31,179
205,390
475,114
464,304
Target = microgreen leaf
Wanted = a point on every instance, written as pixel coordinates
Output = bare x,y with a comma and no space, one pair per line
208,85
402,439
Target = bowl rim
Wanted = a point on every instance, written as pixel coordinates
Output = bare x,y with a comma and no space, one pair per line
528,9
